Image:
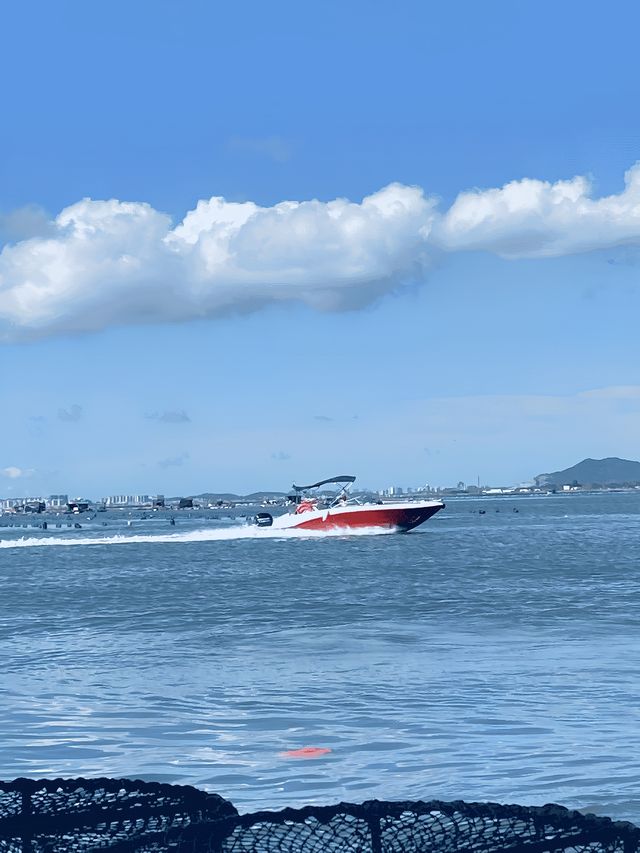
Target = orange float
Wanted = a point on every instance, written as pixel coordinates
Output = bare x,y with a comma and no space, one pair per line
307,752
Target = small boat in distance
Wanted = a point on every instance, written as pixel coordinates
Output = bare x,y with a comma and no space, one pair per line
341,512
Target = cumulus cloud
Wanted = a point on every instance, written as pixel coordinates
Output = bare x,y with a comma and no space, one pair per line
105,263
169,417
531,218
70,415
114,263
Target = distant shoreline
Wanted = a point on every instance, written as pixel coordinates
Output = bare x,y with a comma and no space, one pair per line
242,506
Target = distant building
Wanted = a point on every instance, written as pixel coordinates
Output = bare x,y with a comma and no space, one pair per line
57,501
22,504
127,500
11,503
394,490
115,500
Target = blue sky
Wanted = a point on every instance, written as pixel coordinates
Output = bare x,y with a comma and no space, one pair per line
498,345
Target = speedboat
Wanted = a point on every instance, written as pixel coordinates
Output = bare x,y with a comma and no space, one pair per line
309,510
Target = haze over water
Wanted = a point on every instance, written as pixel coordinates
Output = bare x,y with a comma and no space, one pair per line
482,657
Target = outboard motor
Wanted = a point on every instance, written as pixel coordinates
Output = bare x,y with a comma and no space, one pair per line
263,519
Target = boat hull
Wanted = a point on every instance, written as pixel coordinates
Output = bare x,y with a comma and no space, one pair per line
385,517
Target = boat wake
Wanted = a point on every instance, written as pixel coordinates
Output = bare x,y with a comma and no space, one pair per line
204,535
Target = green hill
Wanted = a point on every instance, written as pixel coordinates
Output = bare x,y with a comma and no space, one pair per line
611,471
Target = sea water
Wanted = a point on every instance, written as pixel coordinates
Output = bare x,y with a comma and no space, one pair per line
485,656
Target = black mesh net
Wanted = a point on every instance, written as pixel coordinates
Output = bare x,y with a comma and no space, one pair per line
126,815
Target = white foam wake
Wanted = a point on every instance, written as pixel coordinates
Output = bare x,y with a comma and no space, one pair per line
203,535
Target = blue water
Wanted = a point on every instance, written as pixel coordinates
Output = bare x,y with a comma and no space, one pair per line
485,656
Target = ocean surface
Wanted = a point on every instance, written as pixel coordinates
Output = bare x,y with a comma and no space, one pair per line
489,656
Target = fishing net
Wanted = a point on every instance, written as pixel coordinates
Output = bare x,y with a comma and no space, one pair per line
125,815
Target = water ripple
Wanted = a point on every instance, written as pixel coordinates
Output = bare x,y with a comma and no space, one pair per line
486,657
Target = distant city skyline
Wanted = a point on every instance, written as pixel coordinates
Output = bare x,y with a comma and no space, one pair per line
588,473
279,242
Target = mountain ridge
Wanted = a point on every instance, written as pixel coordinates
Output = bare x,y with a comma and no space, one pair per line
610,471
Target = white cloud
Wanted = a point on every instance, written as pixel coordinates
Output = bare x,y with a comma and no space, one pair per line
14,473
531,218
114,263
104,263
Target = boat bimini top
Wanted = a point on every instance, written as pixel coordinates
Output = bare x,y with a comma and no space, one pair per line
344,478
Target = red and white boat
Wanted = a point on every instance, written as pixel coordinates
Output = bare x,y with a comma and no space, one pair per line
342,512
